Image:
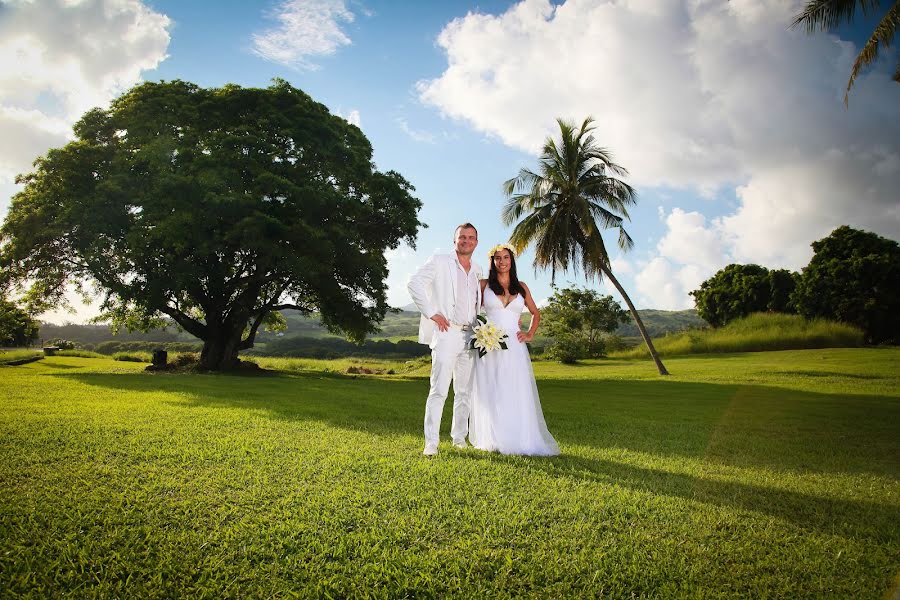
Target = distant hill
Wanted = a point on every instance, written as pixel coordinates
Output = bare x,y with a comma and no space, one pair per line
661,322
399,324
95,334
402,324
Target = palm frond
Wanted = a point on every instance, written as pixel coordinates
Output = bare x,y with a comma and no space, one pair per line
883,34
824,15
608,219
625,241
523,181
528,230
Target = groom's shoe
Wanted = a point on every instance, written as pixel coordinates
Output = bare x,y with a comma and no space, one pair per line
430,450
461,444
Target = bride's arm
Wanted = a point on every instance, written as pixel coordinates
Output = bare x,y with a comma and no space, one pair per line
535,316
483,283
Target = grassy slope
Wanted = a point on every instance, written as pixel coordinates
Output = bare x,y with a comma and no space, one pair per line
16,355
758,332
768,474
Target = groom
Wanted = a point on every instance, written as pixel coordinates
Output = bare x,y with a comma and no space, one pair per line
447,292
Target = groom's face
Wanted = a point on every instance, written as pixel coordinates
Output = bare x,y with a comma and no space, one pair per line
465,240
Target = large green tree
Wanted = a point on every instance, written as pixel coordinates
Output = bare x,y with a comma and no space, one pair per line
576,319
826,15
739,290
214,208
853,277
17,327
563,208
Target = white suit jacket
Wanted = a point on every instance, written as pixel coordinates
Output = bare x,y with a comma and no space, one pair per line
433,289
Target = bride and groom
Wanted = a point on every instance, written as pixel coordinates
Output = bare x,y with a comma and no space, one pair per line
495,400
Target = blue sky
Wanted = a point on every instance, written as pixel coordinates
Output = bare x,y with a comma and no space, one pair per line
732,126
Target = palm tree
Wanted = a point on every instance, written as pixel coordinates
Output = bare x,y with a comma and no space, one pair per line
564,208
825,15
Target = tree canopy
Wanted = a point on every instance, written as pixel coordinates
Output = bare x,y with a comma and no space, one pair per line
853,277
739,290
215,208
576,319
17,327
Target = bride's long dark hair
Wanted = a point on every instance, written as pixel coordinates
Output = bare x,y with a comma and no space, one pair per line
514,286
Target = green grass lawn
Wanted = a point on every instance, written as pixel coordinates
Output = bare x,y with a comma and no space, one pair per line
745,475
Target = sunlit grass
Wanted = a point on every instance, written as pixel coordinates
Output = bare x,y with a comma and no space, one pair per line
755,475
756,333
8,356
80,353
342,365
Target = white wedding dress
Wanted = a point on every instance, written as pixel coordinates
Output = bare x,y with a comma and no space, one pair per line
506,410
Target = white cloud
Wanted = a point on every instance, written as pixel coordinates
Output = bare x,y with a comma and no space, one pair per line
688,253
60,59
688,240
621,266
402,262
352,117
57,60
307,28
27,134
702,95
418,135
659,286
784,209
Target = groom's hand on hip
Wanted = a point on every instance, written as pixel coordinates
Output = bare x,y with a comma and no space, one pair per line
442,323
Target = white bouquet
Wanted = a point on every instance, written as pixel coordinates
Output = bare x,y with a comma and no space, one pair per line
487,337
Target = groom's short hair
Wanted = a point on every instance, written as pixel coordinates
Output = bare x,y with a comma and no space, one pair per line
465,226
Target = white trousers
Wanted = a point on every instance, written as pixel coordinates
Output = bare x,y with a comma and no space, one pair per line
451,360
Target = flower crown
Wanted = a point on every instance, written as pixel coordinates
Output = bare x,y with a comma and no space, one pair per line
499,247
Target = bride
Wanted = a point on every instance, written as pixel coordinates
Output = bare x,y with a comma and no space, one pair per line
506,410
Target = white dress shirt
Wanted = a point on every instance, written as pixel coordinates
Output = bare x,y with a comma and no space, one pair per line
466,295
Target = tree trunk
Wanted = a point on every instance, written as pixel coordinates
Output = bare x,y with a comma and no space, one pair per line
220,352
637,320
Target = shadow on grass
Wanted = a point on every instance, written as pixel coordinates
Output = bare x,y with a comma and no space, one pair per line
747,426
831,516
381,406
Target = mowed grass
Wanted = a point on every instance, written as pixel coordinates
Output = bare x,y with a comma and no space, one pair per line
751,475
758,332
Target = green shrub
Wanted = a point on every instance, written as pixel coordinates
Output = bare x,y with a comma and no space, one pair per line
80,353
568,348
185,359
132,356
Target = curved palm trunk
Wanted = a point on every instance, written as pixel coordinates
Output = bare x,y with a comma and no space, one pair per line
637,319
